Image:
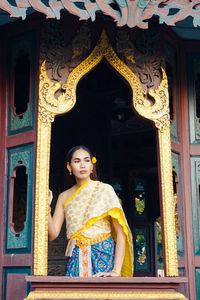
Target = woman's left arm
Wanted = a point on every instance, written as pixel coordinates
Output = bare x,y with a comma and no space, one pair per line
120,249
119,253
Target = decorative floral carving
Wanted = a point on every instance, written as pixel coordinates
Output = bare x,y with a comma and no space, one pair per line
45,116
141,55
61,55
125,12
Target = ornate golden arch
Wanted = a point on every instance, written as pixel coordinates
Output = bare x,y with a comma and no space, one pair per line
49,106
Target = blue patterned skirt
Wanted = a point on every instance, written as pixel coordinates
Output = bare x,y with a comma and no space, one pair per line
92,259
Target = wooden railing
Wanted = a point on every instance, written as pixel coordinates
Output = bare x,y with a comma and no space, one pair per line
53,287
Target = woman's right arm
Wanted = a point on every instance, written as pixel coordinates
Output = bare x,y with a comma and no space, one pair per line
55,222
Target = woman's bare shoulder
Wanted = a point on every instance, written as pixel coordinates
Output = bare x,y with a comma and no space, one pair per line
65,195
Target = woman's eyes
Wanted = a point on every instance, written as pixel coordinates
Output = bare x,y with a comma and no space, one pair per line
78,161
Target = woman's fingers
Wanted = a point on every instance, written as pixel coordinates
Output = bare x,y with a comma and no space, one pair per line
50,196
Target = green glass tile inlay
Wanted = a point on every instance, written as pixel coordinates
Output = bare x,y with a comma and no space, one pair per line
193,77
20,242
16,122
195,182
179,219
24,44
159,245
142,249
197,277
181,272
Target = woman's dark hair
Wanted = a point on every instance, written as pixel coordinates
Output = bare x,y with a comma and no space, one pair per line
70,178
74,149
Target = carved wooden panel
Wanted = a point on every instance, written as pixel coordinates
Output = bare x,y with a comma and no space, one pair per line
13,283
140,52
63,50
21,63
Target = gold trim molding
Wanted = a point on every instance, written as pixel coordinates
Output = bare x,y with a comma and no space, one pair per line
49,106
105,295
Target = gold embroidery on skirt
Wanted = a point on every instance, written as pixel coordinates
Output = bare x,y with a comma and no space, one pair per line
83,241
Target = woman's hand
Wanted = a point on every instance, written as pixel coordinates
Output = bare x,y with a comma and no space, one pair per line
50,197
106,274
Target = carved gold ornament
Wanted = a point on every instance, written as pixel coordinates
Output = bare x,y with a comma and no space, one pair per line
50,105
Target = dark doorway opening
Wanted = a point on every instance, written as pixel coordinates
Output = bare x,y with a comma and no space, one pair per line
125,146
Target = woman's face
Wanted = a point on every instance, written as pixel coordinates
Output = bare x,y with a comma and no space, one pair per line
81,165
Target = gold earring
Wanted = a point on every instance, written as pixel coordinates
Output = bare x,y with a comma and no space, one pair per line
70,172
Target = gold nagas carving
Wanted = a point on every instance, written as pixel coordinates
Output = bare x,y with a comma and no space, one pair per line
49,104
158,112
52,103
106,295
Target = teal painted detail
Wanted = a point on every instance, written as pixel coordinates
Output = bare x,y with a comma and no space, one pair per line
143,4
121,3
181,272
193,68
15,242
197,277
16,122
173,129
195,181
20,242
141,243
175,163
15,157
179,240
12,270
22,44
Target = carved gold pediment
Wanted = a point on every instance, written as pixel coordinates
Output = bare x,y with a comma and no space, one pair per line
156,110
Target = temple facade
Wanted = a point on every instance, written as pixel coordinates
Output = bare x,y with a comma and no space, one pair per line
123,78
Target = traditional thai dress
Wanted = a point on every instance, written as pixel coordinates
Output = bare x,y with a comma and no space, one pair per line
91,247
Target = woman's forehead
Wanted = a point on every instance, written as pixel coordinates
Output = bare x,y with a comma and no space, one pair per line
80,153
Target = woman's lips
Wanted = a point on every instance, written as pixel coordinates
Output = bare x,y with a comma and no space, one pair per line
83,172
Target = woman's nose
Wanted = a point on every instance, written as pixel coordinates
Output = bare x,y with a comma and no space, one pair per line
82,164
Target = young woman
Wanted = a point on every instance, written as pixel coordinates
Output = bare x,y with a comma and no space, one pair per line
100,241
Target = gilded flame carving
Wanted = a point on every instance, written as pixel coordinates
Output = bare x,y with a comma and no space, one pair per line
156,110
